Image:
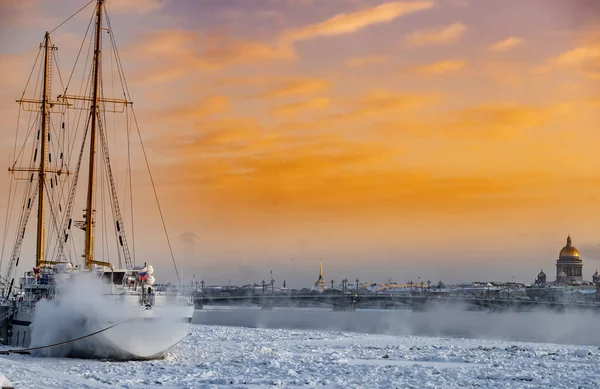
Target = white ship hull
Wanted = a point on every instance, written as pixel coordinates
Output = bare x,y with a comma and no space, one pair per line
137,334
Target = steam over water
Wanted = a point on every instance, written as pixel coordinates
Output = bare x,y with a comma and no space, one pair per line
82,308
86,306
573,327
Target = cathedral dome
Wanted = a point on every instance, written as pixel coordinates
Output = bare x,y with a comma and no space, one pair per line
569,251
542,274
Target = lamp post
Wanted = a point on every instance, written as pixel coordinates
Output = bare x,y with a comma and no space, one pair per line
202,285
357,286
264,284
332,282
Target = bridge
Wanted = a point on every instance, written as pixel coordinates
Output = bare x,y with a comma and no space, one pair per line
351,302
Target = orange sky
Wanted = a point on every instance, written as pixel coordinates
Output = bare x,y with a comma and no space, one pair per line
448,139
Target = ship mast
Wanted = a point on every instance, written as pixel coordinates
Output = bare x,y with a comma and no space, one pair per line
89,213
39,256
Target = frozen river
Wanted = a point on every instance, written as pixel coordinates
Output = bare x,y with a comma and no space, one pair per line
217,356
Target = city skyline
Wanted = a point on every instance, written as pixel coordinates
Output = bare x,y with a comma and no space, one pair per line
447,139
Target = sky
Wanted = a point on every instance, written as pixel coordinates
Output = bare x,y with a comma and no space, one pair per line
450,140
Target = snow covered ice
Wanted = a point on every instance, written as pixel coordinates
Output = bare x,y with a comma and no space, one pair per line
213,356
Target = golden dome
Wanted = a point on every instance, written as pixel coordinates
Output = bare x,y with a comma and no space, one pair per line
569,250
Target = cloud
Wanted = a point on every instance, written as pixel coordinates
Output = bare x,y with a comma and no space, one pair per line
506,44
585,58
317,103
18,67
579,56
190,51
500,120
295,87
438,35
483,122
505,72
135,6
346,23
206,107
179,53
210,137
327,174
248,80
438,68
366,61
17,14
376,103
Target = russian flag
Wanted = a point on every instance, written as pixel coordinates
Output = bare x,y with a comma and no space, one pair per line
143,275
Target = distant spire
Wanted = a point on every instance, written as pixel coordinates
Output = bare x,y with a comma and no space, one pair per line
321,269
569,240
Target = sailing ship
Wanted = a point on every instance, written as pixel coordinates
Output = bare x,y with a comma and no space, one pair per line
99,307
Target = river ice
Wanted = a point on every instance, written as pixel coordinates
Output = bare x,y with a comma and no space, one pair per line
238,357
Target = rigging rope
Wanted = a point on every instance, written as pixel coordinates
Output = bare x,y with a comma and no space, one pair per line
128,97
72,16
79,52
155,194
28,350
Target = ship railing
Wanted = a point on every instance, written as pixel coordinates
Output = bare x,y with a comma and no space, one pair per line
25,306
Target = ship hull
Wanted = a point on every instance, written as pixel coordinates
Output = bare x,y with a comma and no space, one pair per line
141,335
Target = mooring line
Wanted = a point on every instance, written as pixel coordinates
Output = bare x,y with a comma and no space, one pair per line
28,350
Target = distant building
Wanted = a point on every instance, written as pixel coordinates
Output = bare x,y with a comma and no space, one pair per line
596,277
321,284
541,278
569,266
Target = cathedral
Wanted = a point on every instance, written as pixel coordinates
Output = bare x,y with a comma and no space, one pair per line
569,266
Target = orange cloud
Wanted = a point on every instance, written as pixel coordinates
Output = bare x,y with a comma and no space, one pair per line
366,61
134,6
206,107
222,136
578,56
500,120
179,53
317,103
350,180
438,68
484,122
248,80
505,72
345,23
297,87
585,58
379,102
506,44
438,35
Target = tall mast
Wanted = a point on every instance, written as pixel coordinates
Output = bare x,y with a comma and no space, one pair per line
89,213
39,256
